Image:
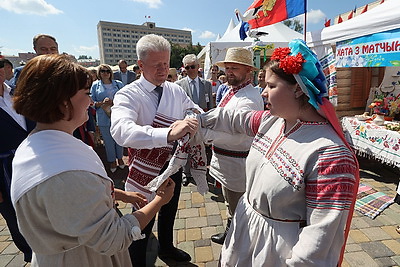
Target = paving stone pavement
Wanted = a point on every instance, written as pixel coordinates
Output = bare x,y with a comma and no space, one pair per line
370,243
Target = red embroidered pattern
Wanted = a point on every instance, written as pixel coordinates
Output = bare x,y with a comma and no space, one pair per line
231,93
334,187
255,120
145,164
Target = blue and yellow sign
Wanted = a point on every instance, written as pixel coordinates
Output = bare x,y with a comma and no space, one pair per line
374,50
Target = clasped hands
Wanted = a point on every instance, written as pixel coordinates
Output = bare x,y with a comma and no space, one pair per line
182,127
138,200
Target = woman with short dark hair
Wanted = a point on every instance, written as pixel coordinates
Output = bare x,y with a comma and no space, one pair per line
62,195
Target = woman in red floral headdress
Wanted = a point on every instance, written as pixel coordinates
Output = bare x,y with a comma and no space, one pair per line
301,175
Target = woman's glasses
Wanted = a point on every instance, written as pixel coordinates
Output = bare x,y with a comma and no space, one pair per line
105,71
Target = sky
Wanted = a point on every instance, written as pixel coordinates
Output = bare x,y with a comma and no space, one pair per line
74,22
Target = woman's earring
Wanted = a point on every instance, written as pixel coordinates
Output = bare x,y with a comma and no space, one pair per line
298,92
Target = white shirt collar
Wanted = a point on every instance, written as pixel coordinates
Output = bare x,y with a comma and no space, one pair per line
148,85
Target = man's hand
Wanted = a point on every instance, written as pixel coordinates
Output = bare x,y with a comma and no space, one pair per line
182,127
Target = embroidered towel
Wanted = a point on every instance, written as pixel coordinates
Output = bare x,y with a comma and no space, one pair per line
191,149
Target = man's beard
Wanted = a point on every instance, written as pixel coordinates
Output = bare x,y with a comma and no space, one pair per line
234,81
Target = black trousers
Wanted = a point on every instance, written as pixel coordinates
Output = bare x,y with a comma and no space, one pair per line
165,226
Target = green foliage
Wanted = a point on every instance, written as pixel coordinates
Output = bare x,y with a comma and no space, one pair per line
294,24
178,52
84,57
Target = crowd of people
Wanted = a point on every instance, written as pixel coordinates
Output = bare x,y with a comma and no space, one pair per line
288,177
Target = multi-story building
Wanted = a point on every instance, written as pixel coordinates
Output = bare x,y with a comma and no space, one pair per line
118,40
21,59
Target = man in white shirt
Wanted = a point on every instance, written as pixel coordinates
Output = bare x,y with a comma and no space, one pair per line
227,164
147,116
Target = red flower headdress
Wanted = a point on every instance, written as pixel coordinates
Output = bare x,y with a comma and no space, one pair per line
290,64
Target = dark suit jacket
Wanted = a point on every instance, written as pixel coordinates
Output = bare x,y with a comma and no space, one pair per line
205,92
131,76
11,136
17,72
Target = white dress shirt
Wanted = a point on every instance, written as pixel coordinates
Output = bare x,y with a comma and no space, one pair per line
7,105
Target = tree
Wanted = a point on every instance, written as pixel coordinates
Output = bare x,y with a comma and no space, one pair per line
84,57
294,24
178,52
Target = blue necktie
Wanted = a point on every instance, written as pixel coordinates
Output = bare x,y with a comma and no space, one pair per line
195,94
159,90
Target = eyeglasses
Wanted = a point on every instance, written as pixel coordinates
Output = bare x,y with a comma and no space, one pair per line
1,64
105,71
190,67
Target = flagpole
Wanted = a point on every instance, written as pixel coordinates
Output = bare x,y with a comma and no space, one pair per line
305,20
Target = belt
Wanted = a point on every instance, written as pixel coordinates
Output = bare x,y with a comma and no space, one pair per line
302,223
230,153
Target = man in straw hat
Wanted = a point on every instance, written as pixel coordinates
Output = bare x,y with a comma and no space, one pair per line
229,152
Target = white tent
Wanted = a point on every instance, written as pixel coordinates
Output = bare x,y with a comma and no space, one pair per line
279,35
230,27
382,18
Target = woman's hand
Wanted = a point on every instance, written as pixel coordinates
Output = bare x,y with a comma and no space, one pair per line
107,101
136,199
166,191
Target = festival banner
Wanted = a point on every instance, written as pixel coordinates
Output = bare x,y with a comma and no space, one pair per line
374,50
328,67
273,11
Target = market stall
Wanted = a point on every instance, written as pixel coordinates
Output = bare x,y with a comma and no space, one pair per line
278,35
374,141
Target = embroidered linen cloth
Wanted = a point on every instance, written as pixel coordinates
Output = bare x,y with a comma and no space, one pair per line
191,149
372,141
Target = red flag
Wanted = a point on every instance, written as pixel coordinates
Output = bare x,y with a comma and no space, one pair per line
340,20
382,2
350,16
327,23
262,13
365,9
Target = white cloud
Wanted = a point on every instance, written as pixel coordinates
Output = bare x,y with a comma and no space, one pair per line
11,51
315,16
188,29
150,3
33,7
207,35
86,50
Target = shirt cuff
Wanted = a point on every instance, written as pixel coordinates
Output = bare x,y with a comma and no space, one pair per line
136,233
159,136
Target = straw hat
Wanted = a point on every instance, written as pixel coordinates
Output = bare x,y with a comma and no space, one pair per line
237,55
173,71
